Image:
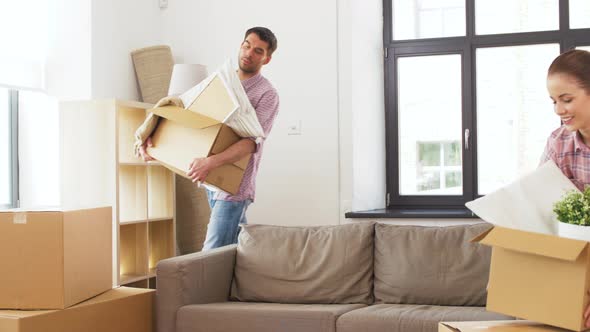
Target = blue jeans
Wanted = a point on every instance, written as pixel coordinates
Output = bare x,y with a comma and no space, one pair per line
224,223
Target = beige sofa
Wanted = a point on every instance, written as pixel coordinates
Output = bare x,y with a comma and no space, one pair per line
353,277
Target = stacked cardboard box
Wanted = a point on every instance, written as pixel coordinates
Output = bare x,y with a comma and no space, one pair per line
61,260
119,310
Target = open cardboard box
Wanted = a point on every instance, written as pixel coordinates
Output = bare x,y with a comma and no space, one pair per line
198,131
118,310
54,259
497,326
539,277
534,273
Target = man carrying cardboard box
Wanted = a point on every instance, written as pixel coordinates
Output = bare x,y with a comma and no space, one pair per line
228,211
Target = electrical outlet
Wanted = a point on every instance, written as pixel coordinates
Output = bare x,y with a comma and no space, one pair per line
163,3
294,128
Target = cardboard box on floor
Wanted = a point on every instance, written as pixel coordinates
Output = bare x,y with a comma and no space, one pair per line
198,131
119,310
539,277
497,326
54,259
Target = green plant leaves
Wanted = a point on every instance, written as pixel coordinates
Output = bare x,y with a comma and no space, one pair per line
574,208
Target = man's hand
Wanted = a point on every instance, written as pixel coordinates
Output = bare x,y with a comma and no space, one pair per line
200,168
143,150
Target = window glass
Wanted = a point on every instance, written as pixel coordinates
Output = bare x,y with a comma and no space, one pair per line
579,14
430,124
516,16
514,113
414,19
439,167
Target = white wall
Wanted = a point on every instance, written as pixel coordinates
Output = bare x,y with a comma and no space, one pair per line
345,95
68,71
328,70
368,108
298,182
118,27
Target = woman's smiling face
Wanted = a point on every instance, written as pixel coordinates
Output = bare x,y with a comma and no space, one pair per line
571,102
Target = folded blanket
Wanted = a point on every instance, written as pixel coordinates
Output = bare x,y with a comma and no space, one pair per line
151,121
244,120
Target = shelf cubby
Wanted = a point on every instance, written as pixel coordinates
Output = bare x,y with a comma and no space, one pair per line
161,242
160,192
132,193
129,119
133,258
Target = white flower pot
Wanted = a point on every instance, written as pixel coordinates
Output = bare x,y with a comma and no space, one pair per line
573,231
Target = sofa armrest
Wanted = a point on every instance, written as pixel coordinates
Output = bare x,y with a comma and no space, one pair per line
203,277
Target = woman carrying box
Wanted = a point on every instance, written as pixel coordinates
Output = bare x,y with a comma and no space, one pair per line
568,83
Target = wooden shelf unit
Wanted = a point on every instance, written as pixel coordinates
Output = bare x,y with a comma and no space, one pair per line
99,168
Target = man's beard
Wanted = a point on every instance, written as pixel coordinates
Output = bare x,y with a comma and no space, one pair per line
248,70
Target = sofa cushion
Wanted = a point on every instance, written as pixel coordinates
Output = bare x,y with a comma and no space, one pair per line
431,265
324,264
260,317
409,318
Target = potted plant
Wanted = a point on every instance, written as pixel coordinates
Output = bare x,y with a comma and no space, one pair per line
573,214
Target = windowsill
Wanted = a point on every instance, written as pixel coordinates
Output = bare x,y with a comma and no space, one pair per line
412,213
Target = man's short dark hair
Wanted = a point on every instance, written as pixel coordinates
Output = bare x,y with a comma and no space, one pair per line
265,35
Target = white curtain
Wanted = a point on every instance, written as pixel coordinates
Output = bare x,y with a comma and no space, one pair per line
5,153
24,35
38,140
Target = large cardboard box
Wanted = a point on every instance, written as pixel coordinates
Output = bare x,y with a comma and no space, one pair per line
184,134
538,277
54,259
118,310
497,326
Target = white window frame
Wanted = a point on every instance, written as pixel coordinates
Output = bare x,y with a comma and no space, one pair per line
465,46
